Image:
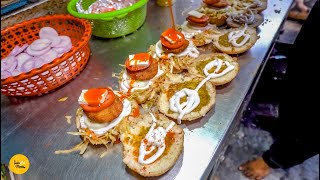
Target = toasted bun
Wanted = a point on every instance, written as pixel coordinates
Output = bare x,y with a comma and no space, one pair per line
163,101
146,95
206,37
109,137
220,4
149,94
220,80
173,64
217,16
199,39
258,19
218,21
238,5
237,50
178,64
131,128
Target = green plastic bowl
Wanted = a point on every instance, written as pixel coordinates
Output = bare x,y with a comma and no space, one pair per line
115,23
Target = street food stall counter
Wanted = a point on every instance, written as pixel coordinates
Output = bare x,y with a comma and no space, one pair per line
37,126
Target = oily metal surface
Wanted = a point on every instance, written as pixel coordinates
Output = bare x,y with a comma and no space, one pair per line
36,126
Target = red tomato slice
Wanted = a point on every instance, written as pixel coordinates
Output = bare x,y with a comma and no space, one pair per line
177,38
92,105
203,19
138,58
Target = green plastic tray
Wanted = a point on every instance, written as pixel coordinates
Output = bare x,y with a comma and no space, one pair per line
113,24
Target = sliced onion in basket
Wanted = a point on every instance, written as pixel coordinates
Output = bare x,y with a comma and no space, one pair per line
41,51
55,40
28,65
40,44
17,50
62,50
38,62
5,74
47,32
9,63
49,56
16,72
64,41
21,58
50,33
24,47
37,53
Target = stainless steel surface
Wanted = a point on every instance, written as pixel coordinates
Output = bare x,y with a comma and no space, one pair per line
37,127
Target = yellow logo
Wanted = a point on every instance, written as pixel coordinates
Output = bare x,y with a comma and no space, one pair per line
19,164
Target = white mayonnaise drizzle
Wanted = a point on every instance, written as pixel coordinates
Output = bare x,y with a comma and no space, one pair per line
193,98
191,51
137,85
156,139
233,36
217,63
81,99
101,128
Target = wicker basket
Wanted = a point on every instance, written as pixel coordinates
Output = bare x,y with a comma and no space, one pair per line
52,75
115,23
